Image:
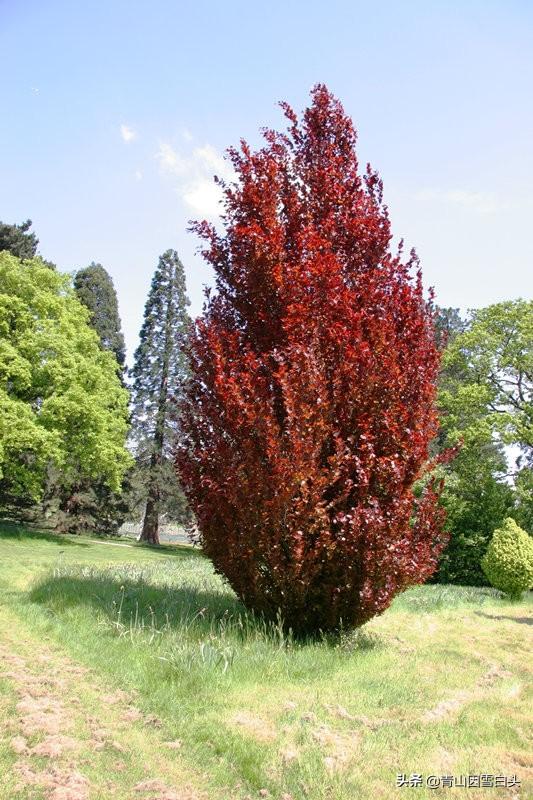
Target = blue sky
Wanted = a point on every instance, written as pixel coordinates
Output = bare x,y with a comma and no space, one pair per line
116,115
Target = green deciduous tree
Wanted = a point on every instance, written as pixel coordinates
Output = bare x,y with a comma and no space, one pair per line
87,504
94,288
61,401
485,402
495,357
524,495
158,372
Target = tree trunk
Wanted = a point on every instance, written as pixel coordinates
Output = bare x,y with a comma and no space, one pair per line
150,531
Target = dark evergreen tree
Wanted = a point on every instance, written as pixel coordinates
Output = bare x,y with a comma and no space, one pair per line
159,369
18,239
173,506
21,242
448,324
83,505
94,288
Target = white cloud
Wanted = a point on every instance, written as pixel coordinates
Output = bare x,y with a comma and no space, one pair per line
195,172
481,202
169,161
204,197
128,134
138,175
209,157
478,202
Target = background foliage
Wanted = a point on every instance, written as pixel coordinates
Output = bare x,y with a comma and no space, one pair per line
61,401
485,402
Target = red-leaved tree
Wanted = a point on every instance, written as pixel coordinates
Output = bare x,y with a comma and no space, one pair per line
310,408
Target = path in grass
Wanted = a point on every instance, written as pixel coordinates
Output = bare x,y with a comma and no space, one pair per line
73,737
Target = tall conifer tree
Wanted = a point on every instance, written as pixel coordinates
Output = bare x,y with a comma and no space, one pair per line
95,289
159,370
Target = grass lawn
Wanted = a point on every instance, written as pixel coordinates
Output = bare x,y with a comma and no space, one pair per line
129,672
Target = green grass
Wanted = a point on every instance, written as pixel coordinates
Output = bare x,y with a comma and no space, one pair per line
333,717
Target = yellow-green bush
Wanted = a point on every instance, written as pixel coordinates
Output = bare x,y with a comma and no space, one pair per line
508,562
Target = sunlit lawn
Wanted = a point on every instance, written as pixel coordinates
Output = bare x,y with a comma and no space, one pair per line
438,685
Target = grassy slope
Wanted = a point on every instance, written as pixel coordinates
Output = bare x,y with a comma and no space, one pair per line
440,684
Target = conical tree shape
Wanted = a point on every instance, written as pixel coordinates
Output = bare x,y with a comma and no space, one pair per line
310,408
158,373
94,288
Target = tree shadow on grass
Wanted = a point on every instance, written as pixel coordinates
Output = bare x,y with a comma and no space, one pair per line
520,620
11,530
137,601
202,610
164,549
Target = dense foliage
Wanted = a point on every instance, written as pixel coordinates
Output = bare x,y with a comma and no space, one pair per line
495,358
475,502
172,503
475,495
159,369
508,562
523,486
84,504
61,401
485,400
18,239
310,409
81,505
94,287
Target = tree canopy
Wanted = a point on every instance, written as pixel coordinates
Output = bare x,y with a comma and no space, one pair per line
18,239
94,288
485,402
310,408
61,401
495,357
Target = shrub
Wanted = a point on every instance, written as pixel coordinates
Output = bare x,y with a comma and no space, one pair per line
508,562
310,407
